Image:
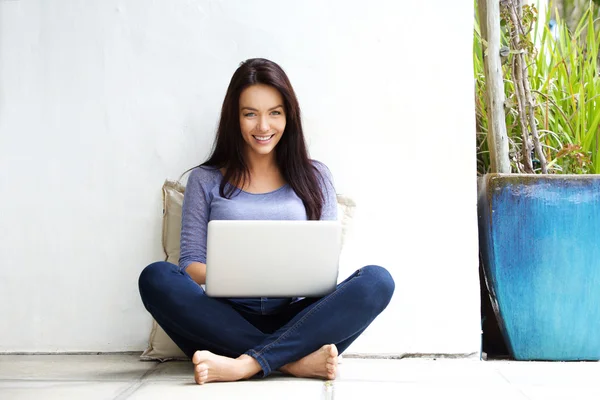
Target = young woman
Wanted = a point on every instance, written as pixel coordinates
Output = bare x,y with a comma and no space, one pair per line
259,169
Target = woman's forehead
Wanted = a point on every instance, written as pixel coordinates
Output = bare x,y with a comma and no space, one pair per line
260,96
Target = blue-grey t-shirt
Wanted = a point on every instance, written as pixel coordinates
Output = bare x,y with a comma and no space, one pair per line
202,203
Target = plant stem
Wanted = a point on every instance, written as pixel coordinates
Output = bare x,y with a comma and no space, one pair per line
517,69
525,100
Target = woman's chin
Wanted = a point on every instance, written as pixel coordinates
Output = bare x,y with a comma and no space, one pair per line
262,150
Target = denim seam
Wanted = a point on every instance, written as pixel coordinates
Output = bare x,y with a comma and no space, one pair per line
185,330
264,364
299,323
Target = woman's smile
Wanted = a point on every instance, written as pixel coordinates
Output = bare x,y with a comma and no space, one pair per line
263,139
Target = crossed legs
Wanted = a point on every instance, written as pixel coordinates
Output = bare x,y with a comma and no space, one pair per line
225,346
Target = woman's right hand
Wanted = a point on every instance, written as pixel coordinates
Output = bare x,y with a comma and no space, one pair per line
197,271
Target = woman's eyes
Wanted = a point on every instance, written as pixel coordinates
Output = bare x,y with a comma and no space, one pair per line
251,114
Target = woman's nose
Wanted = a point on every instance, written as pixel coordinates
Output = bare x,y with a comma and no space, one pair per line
263,124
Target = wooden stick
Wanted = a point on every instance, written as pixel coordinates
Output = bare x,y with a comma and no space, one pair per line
489,17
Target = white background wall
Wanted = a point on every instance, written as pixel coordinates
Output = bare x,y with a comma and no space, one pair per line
100,101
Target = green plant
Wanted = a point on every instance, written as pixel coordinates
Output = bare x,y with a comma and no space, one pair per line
571,11
564,77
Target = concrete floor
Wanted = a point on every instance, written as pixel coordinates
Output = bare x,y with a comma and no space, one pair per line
121,377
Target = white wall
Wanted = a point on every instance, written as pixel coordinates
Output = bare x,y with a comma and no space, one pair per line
100,101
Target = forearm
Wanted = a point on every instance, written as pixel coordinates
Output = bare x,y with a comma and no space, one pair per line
197,271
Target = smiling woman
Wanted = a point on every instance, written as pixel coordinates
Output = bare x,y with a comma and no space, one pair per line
259,170
262,118
260,102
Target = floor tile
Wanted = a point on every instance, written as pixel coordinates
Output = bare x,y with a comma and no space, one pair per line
124,377
74,367
52,390
422,391
568,392
419,370
172,370
271,389
548,373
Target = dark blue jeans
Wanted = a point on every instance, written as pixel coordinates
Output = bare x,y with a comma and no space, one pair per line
197,322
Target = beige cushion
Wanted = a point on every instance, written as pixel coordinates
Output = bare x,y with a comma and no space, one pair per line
160,346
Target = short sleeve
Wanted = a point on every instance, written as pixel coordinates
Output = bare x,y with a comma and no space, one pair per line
194,219
329,211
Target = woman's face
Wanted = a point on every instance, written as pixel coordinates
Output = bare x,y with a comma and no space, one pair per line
262,118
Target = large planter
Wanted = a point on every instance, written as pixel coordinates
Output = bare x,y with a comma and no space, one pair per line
540,244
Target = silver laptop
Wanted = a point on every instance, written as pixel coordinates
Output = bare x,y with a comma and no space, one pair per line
272,258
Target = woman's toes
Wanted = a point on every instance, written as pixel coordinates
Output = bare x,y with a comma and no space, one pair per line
201,368
196,357
202,378
200,373
331,364
333,352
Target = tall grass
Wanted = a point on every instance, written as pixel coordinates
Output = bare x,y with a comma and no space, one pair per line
564,77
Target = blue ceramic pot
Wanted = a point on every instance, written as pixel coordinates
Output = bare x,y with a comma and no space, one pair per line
539,238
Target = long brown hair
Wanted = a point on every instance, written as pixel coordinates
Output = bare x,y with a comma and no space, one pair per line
291,153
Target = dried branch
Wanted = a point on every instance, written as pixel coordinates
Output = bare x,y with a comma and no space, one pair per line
517,72
525,101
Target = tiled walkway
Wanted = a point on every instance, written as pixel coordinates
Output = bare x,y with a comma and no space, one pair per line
110,377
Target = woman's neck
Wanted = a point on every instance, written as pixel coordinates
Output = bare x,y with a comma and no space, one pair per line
260,165
265,175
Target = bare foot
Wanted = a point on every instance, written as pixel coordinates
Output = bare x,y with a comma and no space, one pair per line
320,364
209,367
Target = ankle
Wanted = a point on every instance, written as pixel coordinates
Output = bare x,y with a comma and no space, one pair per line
286,369
249,366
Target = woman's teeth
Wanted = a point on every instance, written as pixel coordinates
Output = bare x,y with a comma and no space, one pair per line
263,138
